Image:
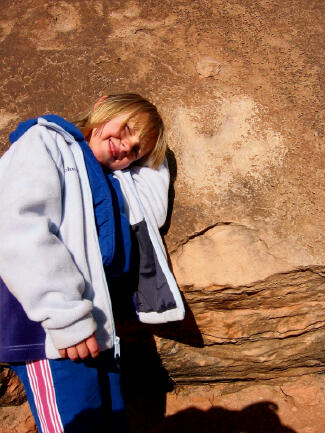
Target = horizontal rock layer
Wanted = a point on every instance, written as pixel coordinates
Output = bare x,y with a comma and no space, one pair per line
265,330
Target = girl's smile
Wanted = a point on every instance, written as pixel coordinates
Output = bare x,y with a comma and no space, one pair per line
117,143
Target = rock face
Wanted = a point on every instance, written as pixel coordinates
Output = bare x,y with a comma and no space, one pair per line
11,390
238,84
17,419
258,408
15,415
265,330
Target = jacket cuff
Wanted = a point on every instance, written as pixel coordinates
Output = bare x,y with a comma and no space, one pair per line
73,334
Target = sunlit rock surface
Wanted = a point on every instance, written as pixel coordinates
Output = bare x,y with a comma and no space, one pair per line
239,86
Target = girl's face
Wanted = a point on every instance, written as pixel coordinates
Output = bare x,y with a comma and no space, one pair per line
116,146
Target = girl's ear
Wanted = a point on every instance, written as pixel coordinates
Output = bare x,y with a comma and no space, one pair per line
99,101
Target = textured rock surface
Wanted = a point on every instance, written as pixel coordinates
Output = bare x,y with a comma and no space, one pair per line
238,84
264,330
292,407
11,390
17,419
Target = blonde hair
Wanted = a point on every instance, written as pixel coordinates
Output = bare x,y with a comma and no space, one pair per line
133,104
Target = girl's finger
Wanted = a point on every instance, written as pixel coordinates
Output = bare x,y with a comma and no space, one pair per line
72,353
63,353
82,350
92,346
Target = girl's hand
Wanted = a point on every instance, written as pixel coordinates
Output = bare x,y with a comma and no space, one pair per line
82,350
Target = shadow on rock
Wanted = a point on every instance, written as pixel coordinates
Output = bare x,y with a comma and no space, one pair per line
185,331
145,382
256,418
172,165
101,422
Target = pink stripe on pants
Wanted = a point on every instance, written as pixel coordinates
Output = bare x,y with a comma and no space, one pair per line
41,382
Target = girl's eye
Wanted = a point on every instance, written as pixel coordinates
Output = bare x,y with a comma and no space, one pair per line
136,151
127,128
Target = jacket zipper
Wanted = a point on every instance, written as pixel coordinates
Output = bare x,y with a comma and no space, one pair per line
115,338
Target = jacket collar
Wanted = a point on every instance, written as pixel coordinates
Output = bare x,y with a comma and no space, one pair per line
69,127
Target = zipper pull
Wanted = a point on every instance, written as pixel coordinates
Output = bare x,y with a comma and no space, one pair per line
117,348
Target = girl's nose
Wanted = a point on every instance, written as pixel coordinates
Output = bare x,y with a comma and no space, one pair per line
126,145
129,143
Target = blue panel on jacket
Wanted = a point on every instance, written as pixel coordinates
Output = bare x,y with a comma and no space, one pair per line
21,339
112,224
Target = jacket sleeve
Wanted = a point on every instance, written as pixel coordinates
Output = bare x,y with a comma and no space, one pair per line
152,187
34,263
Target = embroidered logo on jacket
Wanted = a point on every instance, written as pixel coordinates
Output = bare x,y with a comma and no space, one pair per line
70,169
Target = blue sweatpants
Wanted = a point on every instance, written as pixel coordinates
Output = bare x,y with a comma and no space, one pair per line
75,397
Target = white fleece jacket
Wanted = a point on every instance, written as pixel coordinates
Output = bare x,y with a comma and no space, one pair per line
49,253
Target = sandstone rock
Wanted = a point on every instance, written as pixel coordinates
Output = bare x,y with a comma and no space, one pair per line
208,67
246,158
227,254
11,390
271,329
17,419
291,407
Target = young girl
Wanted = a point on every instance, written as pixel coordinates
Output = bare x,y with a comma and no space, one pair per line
68,200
